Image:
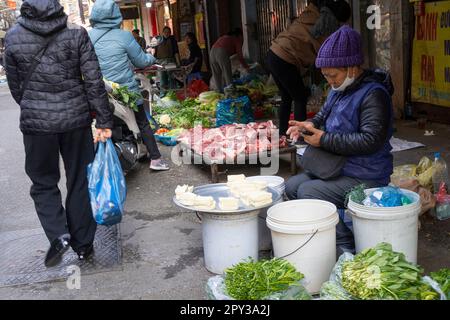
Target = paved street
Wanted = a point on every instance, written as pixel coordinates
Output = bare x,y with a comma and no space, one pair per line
162,249
161,244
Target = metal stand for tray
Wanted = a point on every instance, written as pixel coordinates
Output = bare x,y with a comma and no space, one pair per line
214,165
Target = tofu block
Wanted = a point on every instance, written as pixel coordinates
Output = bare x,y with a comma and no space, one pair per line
261,203
228,204
183,189
205,203
236,177
187,198
199,201
260,185
256,198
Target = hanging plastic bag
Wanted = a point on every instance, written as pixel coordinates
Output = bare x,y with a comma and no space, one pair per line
107,188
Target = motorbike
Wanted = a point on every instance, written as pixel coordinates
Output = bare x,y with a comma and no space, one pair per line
126,135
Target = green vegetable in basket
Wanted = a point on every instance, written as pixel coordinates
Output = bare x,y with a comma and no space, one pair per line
380,273
174,132
442,277
126,97
252,280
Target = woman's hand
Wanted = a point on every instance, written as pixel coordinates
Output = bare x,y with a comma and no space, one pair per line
313,136
307,130
102,135
295,131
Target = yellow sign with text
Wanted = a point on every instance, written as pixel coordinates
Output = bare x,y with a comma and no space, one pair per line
431,55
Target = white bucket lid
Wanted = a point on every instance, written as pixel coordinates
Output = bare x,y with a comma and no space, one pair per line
386,213
302,216
272,181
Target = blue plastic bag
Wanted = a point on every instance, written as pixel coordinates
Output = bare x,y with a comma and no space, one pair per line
231,111
107,188
388,197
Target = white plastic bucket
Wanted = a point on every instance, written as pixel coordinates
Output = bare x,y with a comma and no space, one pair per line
265,237
229,239
264,234
304,233
397,225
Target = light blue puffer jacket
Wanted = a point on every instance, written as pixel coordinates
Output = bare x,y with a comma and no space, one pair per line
117,50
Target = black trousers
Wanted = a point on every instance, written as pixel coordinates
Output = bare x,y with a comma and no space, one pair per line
42,166
289,81
147,133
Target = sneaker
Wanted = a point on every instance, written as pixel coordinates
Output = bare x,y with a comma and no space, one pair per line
159,165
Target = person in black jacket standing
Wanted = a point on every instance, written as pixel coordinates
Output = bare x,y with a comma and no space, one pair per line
65,85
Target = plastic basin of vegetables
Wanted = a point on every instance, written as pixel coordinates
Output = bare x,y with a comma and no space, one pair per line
166,140
168,137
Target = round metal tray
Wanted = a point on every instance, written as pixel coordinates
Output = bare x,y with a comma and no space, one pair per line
221,190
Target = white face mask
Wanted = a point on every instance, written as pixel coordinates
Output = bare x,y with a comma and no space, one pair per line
347,82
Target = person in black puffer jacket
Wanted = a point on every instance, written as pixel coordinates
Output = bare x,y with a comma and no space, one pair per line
356,122
55,118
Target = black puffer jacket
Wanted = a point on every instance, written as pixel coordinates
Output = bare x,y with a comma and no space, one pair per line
375,116
360,126
67,84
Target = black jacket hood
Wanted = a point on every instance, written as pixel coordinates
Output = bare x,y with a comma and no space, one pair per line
43,17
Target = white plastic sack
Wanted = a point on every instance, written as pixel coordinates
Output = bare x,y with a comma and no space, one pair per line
215,290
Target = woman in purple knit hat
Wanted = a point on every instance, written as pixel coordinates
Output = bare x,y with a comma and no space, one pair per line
356,121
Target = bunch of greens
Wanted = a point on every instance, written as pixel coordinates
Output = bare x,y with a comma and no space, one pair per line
442,277
357,194
208,102
380,273
171,95
270,91
185,114
126,97
256,280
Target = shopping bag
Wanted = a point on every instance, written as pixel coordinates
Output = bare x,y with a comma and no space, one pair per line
107,188
231,111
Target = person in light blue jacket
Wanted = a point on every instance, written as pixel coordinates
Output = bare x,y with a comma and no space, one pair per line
117,52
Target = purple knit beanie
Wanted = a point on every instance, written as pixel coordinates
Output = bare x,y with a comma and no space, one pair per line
341,49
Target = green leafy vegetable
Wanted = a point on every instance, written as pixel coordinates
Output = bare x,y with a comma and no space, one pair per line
126,97
442,277
380,273
356,194
171,95
255,280
186,114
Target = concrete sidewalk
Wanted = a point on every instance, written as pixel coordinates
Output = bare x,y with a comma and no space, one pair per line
162,244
